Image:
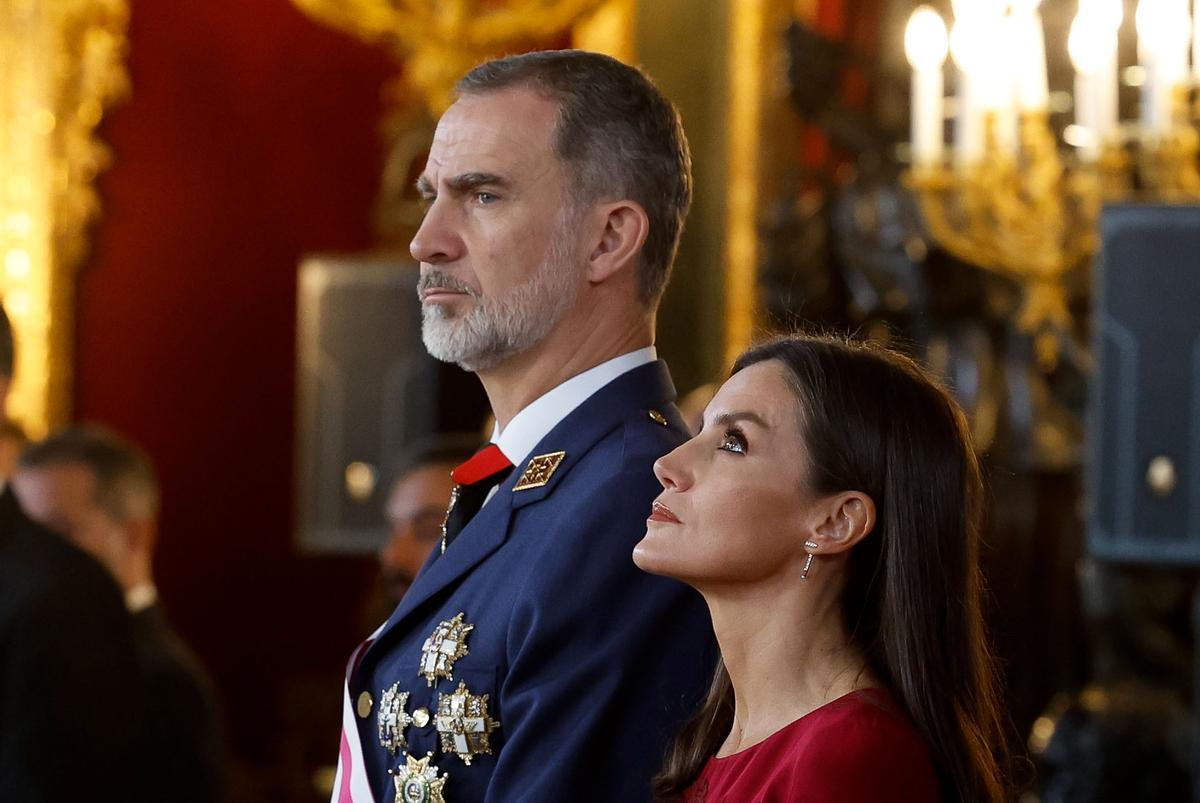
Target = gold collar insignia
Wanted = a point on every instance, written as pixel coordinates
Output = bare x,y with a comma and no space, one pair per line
539,470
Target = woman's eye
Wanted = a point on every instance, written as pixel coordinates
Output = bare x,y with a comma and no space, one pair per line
733,441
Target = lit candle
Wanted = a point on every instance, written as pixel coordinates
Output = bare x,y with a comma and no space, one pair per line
968,121
1196,39
1108,16
1084,45
984,83
925,45
1033,94
1163,33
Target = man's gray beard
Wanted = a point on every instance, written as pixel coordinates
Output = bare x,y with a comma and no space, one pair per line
499,328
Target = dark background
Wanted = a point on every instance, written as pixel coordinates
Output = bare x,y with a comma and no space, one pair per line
250,139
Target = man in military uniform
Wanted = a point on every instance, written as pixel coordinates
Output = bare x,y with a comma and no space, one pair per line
530,660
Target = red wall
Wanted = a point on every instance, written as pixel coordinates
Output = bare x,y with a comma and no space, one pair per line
250,138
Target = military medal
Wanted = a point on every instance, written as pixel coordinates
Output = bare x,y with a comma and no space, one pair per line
464,725
418,781
393,720
445,645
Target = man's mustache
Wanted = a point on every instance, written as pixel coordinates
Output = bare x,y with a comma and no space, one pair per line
436,279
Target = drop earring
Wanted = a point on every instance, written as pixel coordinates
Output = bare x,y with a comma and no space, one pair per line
808,563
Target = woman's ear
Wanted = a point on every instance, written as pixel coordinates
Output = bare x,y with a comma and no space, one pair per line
621,231
842,521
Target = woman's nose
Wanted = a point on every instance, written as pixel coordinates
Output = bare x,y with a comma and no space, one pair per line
671,470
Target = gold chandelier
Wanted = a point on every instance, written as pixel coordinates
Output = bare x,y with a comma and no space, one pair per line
1006,199
61,65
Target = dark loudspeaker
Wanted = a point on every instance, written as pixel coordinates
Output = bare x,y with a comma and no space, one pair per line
366,392
1143,473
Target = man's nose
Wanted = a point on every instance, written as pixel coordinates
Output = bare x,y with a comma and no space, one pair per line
391,554
437,240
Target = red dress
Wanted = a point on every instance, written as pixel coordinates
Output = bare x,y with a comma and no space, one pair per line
860,748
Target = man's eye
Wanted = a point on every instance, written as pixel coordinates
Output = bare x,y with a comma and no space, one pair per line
486,198
733,441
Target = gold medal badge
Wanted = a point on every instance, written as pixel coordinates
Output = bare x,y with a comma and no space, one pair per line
393,720
418,781
445,645
464,725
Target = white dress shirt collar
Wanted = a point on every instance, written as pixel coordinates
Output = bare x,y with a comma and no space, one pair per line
535,421
141,597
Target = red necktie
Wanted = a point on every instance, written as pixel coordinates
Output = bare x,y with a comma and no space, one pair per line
476,478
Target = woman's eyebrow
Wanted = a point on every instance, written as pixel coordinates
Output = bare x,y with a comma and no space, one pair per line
725,419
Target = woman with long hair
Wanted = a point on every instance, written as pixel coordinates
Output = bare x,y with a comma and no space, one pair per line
829,513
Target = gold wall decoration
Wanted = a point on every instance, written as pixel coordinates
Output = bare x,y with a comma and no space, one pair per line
61,65
747,34
440,40
610,29
757,138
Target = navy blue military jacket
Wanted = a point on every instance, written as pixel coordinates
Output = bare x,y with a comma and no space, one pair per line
532,659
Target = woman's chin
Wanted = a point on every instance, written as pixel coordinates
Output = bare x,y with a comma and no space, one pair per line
649,554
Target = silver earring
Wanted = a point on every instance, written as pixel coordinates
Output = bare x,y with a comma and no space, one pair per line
808,562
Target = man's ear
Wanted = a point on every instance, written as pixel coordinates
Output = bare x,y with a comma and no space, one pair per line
141,533
842,521
620,232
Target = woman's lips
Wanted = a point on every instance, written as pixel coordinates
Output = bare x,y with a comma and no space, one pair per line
660,512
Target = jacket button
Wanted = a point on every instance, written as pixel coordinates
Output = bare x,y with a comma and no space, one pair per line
364,704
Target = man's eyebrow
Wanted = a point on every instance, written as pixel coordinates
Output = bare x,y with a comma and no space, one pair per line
470,181
463,183
725,419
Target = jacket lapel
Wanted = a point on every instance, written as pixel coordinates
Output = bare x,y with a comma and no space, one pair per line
646,386
482,536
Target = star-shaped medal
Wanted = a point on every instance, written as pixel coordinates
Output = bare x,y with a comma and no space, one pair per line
418,781
445,645
392,720
463,723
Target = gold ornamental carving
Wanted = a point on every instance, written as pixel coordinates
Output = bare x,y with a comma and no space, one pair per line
440,40
61,66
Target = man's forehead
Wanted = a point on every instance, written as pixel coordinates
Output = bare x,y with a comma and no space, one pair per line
495,132
60,475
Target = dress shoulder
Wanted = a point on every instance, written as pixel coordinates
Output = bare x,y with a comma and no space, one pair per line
860,749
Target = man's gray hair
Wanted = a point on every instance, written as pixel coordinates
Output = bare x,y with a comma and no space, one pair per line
619,137
126,486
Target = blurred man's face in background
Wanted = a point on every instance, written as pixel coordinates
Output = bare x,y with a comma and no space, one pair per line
415,511
62,497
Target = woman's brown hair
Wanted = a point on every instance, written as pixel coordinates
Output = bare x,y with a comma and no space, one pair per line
873,420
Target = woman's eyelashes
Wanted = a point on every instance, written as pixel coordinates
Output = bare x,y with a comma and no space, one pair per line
734,440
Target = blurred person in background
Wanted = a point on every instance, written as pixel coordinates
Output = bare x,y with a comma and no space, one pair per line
13,441
68,671
416,508
100,491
